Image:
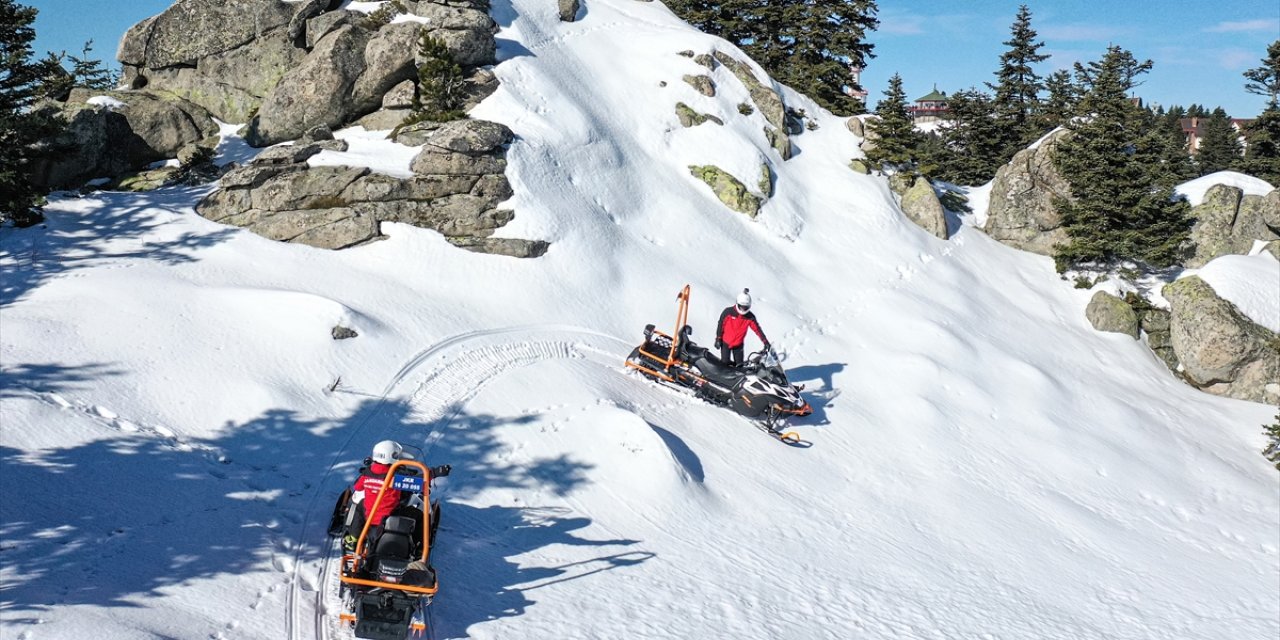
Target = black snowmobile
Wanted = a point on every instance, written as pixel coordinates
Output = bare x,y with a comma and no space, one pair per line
759,389
387,581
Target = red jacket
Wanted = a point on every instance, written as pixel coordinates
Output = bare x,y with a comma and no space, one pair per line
732,329
369,485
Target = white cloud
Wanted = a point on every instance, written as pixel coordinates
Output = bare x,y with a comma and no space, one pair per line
901,24
1261,24
1235,58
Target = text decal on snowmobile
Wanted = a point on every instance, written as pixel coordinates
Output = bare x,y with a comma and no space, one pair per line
407,483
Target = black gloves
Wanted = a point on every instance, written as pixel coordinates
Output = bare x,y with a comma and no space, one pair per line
719,344
767,346
440,471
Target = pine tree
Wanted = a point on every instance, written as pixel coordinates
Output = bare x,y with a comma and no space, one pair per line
1060,104
1126,68
440,83
1171,145
21,126
1219,144
89,73
1272,432
1262,136
1124,208
896,142
971,134
1018,87
808,45
1265,80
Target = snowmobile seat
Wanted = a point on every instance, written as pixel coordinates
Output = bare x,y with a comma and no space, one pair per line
396,540
718,372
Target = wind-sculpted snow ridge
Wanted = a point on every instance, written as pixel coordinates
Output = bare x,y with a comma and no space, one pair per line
983,462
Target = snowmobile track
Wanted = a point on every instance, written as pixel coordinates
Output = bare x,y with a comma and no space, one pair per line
441,394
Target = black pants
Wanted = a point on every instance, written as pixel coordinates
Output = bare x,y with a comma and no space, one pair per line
736,352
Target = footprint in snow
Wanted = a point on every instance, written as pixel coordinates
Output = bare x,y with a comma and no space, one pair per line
59,400
104,412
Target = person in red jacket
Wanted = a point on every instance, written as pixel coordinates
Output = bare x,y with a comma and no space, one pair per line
731,332
369,485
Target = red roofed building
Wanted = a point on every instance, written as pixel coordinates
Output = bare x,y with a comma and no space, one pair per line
929,108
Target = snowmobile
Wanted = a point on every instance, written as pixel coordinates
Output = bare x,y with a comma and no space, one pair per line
758,390
387,581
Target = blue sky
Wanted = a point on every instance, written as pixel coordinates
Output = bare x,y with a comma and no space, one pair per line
1199,48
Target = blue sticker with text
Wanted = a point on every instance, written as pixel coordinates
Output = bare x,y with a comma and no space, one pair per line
407,483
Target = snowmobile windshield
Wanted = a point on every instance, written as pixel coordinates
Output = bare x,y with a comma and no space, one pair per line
769,359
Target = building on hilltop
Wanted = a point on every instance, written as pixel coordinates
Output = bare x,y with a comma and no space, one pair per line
929,108
1193,128
855,75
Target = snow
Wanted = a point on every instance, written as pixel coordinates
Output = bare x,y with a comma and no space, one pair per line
369,149
982,462
105,101
1194,190
1251,283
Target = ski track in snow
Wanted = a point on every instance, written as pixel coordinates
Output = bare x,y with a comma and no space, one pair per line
468,362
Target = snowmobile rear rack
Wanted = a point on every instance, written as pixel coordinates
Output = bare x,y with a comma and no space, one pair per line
669,360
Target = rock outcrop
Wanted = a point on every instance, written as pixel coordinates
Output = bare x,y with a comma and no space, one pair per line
766,99
288,66
1220,349
112,133
1021,212
569,10
459,184
1228,222
921,205
702,83
728,189
690,118
1112,315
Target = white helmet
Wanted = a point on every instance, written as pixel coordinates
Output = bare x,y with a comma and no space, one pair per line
744,299
386,452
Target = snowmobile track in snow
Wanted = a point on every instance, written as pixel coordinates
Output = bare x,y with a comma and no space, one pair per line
467,363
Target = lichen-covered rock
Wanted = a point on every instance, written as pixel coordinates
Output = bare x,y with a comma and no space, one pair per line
1228,222
110,141
921,205
1021,212
569,10
467,32
1273,247
766,99
464,147
766,180
1221,350
859,166
1112,315
690,118
705,60
728,189
513,247
193,29
400,96
703,84
388,61
1155,324
854,124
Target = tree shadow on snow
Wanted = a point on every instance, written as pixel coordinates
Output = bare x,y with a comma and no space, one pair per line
67,241
124,518
18,380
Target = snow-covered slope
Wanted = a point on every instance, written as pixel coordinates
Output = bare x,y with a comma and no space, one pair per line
177,420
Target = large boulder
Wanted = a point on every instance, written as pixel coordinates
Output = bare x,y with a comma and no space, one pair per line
1021,212
1221,350
388,62
464,147
280,197
921,205
1228,222
318,91
728,189
467,32
1112,315
112,133
193,29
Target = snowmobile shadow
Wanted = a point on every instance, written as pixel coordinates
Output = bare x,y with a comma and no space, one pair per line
476,544
819,398
132,514
69,241
684,456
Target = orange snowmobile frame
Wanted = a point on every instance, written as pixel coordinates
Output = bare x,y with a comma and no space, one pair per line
670,360
353,559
